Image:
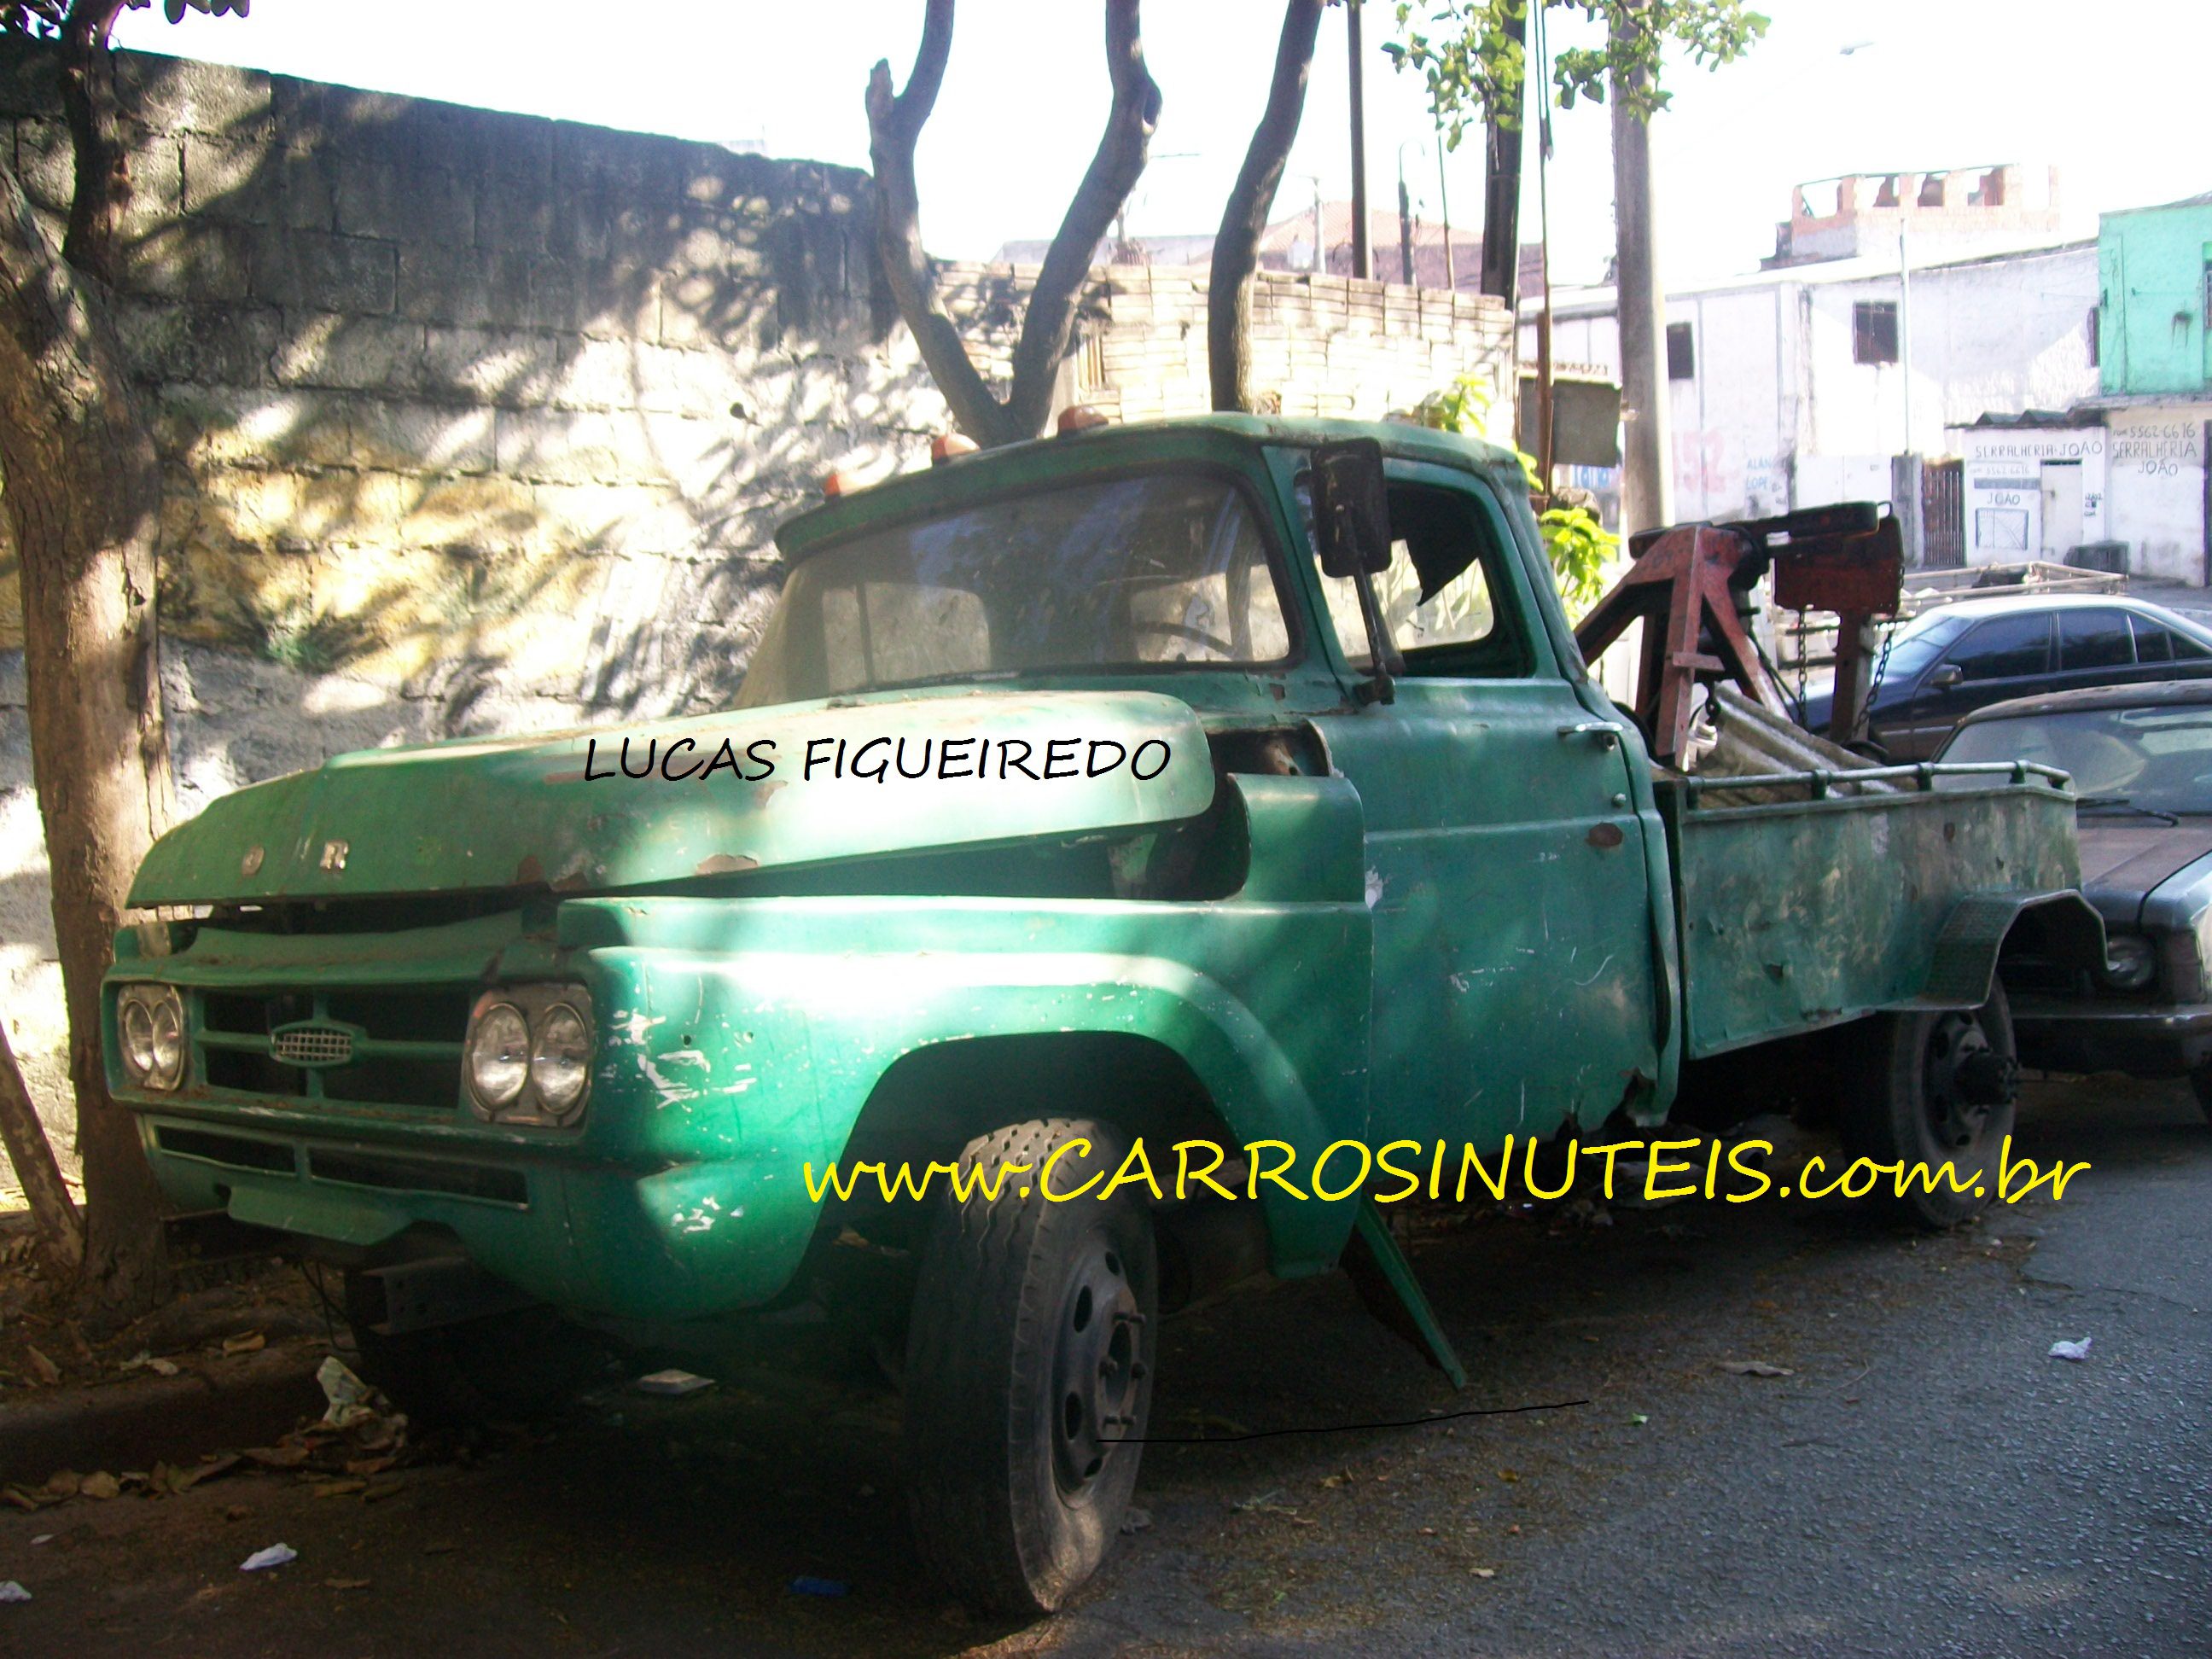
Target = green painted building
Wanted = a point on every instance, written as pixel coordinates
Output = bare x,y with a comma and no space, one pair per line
2154,351
2155,270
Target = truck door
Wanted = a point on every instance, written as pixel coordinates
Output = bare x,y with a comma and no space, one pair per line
1514,953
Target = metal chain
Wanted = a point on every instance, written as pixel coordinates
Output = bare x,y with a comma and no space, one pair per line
1864,723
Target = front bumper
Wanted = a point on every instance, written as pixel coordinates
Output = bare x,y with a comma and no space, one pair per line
2088,1034
591,1238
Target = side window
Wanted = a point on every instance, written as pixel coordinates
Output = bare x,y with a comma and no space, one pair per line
2152,643
2094,639
2005,647
2187,650
1436,594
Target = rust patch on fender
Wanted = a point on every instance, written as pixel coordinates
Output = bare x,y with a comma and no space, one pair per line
723,864
530,872
1605,836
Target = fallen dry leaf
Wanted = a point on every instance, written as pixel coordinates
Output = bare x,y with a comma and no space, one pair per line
339,1488
247,1342
1484,1573
48,1372
345,1583
102,1486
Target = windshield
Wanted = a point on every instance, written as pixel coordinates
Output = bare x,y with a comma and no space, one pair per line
1142,573
2160,759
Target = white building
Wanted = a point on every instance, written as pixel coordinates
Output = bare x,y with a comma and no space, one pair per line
1790,387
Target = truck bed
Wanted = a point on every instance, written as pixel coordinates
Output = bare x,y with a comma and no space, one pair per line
1825,903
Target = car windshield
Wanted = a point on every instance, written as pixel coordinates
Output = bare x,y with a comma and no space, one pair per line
1147,573
2158,759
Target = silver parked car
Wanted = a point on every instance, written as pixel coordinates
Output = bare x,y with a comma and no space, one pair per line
2140,757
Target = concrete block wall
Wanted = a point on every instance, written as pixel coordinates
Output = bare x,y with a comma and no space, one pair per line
475,422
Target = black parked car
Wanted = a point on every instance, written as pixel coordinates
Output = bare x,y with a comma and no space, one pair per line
2140,757
1944,664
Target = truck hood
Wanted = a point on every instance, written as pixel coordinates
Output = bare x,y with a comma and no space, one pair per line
522,812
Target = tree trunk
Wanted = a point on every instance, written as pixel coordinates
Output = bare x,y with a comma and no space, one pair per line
83,498
61,1231
895,124
1501,182
1236,244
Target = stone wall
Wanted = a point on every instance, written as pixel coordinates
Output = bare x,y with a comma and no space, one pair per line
474,421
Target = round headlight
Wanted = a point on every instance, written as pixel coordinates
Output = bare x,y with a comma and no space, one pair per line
135,1021
499,1055
166,1040
560,1058
2128,962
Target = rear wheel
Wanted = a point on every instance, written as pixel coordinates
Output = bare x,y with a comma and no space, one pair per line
1029,1364
1939,1094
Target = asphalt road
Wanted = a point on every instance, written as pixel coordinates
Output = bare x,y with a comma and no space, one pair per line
1925,1480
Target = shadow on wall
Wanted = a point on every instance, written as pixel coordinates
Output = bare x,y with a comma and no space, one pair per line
466,403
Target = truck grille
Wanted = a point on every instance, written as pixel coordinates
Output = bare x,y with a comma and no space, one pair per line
369,1047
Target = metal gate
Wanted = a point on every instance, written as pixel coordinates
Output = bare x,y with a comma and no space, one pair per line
1943,514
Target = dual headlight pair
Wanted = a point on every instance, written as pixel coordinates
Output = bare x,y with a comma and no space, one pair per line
150,1023
528,1057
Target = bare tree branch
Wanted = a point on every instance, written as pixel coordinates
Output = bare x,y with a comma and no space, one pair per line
60,1229
1236,244
1112,173
103,168
895,122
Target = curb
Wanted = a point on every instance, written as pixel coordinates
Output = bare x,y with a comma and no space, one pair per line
251,1400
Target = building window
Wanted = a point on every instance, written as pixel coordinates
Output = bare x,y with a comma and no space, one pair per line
1681,353
2096,337
1874,331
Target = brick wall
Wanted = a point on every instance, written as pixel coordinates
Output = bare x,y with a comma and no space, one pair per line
474,421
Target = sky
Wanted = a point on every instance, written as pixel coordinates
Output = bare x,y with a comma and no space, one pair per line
1928,85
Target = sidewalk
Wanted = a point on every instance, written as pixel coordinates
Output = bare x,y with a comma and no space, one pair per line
2195,602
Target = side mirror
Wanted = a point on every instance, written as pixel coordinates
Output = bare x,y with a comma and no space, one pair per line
1946,676
1351,508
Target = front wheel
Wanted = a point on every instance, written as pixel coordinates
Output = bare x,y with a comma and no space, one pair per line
1938,1098
1029,1368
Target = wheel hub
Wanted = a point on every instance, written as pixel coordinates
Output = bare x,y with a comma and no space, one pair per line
1098,1367
1964,1080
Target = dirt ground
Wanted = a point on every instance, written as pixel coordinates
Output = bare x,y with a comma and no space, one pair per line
1923,1478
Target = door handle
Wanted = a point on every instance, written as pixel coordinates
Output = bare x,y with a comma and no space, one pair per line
1604,732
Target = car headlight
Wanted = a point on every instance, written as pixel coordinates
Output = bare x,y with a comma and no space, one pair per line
2129,962
149,1021
560,1059
499,1055
528,1055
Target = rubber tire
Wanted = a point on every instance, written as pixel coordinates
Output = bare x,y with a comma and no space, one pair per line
1885,1118
514,1367
992,1301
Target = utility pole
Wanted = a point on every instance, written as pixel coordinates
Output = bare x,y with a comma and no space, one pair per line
1443,206
1501,184
1647,481
1405,219
1363,257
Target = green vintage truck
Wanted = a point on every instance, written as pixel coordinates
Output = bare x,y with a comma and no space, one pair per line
1230,780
